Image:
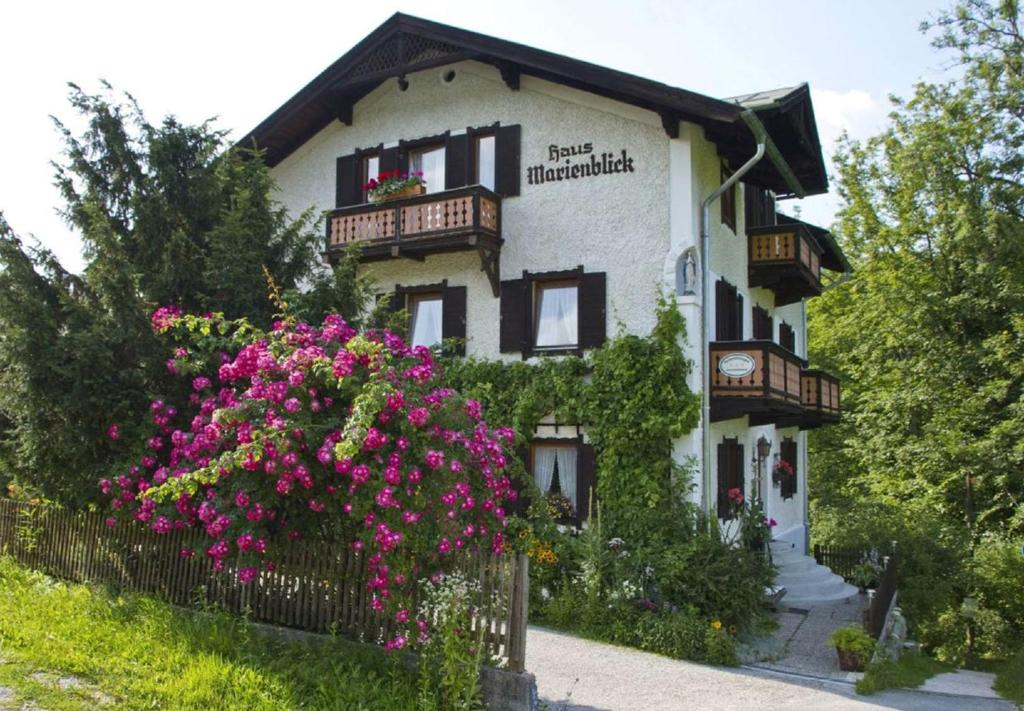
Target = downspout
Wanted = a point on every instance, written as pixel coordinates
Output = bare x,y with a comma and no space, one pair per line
765,146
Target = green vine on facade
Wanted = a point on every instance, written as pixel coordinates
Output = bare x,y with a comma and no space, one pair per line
632,398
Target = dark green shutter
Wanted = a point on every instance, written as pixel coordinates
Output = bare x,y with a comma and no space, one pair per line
514,329
506,155
457,170
453,316
592,311
586,480
348,186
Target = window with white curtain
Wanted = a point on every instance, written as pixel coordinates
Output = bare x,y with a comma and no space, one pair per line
554,470
556,322
430,162
425,314
485,161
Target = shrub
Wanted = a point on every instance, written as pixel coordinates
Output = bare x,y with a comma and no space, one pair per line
853,638
319,432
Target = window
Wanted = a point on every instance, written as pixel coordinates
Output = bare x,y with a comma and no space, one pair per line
730,474
429,161
437,313
483,152
425,319
787,338
762,324
554,471
788,487
553,312
565,468
728,201
556,320
728,312
370,170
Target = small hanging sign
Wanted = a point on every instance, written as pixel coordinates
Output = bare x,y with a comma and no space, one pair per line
736,365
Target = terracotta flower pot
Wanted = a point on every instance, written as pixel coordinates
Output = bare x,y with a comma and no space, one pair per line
849,660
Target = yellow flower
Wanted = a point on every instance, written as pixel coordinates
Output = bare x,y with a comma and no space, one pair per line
716,625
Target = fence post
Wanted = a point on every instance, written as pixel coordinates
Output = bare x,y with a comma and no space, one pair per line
518,614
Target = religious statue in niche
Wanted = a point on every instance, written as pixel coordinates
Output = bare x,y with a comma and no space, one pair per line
686,273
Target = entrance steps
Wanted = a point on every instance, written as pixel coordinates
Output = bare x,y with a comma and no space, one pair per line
807,583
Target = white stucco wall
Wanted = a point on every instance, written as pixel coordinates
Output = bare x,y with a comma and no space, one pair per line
634,227
617,224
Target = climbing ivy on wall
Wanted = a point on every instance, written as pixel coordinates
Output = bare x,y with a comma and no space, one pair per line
631,396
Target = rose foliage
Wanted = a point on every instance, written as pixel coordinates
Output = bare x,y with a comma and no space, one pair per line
308,431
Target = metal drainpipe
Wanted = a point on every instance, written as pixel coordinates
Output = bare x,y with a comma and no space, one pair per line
764,146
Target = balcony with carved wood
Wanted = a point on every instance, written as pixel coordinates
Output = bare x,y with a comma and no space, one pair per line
786,259
756,378
819,395
464,219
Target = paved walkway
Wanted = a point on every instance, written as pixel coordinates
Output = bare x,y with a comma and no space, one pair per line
800,644
578,675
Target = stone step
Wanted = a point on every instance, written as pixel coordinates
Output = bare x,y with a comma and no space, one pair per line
783,546
794,565
803,601
818,574
818,588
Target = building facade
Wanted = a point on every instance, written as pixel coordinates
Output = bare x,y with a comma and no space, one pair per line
561,199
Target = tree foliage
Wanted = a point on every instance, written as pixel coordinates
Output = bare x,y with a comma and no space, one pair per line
928,334
168,213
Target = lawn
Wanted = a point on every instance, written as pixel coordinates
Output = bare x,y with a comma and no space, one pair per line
1010,678
71,647
908,672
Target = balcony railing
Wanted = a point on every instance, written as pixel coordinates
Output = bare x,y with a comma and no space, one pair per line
756,378
466,218
819,395
786,259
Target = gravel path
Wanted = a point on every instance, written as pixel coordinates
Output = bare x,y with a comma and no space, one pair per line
579,675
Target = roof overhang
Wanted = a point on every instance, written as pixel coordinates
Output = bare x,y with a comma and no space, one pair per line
404,44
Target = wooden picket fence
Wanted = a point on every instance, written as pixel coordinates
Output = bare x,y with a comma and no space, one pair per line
317,587
840,561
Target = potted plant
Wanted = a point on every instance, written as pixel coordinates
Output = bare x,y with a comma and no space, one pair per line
394,185
755,527
560,507
865,575
854,647
781,471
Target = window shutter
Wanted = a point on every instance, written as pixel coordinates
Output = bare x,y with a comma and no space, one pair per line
737,327
515,316
348,189
453,316
389,159
722,310
787,338
397,300
592,311
456,161
762,324
788,453
730,474
586,480
723,483
506,156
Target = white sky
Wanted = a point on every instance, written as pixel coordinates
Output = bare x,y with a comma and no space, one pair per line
240,61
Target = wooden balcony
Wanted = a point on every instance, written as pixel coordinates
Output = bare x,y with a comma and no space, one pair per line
464,219
786,259
756,378
819,395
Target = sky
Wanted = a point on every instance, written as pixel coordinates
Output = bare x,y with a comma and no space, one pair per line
238,62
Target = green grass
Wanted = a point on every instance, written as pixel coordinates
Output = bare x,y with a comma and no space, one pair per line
908,672
133,652
1010,678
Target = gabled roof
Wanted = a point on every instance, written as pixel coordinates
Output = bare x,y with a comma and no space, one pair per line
404,44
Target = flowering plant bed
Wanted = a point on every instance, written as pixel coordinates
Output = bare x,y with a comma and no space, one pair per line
394,185
322,433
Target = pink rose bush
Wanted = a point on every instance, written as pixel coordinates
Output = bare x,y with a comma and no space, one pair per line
320,432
